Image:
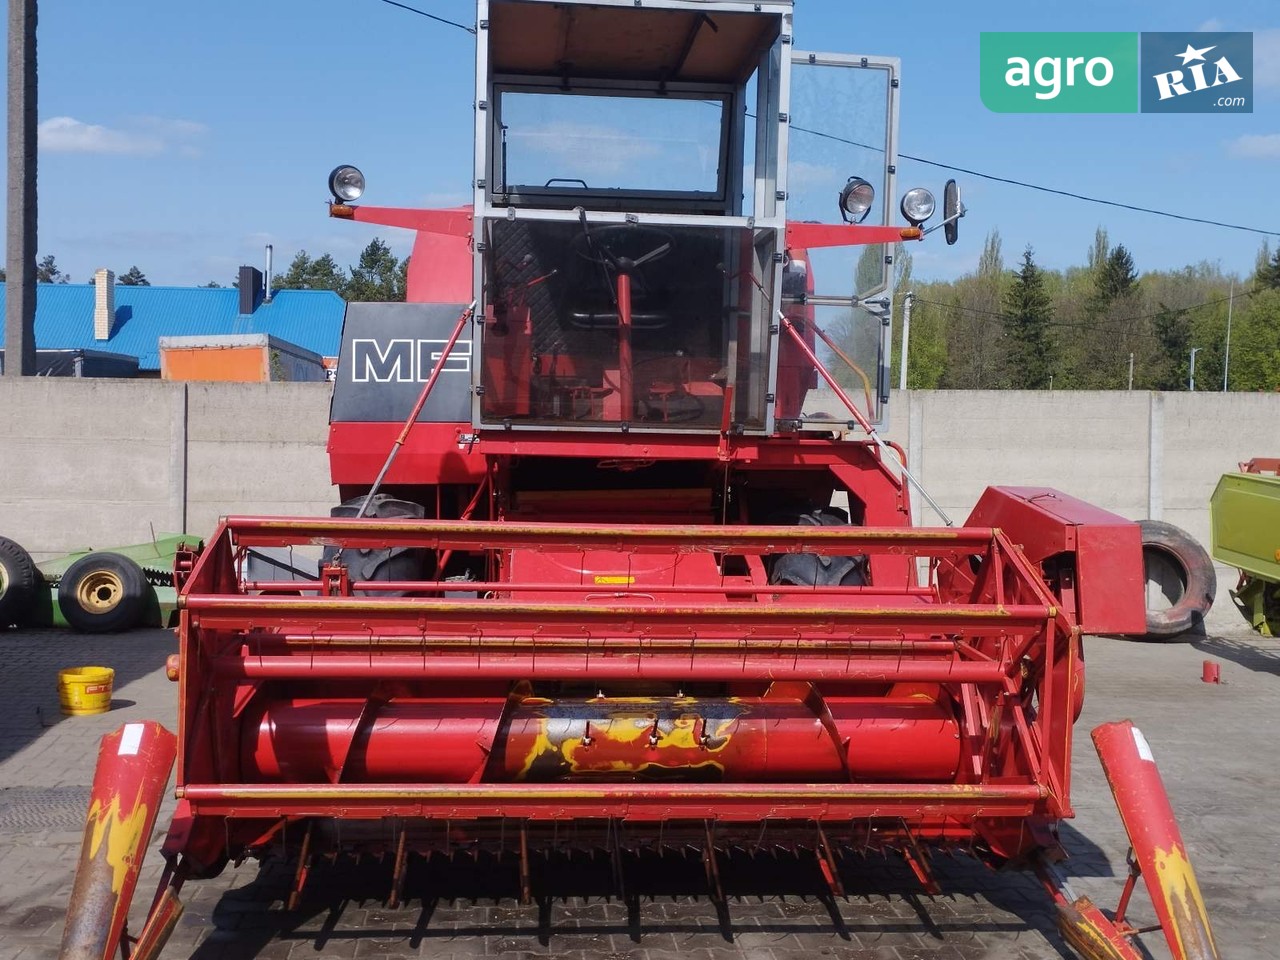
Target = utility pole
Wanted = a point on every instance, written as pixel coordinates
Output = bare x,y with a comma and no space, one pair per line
1130,371
1191,384
907,301
20,293
1226,354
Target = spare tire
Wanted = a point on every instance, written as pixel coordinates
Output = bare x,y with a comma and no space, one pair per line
19,582
1179,577
103,593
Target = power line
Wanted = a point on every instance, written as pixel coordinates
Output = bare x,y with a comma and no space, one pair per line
1042,189
945,166
432,16
1081,196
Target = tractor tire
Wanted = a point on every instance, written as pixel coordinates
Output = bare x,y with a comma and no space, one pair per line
1175,564
387,563
103,593
813,569
19,583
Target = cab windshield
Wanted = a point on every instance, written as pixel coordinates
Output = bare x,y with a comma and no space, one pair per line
593,141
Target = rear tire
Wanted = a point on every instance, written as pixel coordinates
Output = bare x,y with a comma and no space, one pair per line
19,582
103,593
1182,574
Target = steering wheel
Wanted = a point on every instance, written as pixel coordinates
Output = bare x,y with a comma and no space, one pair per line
622,246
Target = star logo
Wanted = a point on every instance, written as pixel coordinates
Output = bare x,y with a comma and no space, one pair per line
1191,53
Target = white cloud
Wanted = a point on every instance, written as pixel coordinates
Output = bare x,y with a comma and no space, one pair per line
171,128
69,135
1213,25
144,136
802,175
589,149
1266,59
442,199
1256,146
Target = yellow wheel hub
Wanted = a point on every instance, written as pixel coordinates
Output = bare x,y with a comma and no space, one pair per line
100,591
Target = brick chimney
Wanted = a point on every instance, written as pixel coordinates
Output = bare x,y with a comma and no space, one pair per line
104,304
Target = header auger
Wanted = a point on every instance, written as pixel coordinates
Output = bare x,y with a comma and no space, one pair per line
607,572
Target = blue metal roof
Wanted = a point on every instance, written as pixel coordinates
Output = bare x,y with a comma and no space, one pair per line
312,319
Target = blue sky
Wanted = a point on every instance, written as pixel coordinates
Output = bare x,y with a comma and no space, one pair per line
183,137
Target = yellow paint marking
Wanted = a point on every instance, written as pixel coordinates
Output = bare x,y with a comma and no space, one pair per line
1186,907
122,834
609,579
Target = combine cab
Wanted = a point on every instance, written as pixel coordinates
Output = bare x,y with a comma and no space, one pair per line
607,572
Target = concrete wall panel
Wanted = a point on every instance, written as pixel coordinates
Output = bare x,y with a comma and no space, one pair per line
99,462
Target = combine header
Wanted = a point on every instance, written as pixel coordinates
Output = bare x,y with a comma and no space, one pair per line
608,572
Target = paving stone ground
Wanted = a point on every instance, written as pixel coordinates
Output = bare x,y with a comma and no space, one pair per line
1217,746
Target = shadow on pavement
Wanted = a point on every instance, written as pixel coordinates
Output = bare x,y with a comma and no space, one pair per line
32,659
464,900
1259,655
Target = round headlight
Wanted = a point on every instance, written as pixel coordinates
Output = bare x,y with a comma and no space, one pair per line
918,205
856,199
346,183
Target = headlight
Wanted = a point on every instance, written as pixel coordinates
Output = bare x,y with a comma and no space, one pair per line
918,205
856,199
346,183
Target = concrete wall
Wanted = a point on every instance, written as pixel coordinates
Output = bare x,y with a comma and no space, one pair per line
92,463
1141,455
97,462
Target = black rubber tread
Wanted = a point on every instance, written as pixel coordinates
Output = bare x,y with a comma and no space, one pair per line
387,563
125,615
20,583
810,569
1200,581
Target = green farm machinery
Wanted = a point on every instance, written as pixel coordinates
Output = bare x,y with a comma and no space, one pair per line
93,591
1245,521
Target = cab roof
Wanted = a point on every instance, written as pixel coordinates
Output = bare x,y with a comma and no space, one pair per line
676,43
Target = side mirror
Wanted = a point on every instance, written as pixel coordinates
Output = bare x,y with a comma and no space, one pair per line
952,211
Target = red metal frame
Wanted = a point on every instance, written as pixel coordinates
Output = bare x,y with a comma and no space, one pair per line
240,648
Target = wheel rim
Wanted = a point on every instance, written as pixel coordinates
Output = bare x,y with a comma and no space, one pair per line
100,591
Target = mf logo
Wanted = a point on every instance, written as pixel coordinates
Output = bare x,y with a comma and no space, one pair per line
1197,72
404,360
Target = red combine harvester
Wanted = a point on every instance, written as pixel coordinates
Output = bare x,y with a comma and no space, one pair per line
607,573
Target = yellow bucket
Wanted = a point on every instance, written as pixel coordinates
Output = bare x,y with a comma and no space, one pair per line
85,690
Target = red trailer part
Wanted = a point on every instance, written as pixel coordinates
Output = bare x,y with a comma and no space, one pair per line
607,566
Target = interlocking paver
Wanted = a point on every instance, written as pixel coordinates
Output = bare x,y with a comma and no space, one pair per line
1219,757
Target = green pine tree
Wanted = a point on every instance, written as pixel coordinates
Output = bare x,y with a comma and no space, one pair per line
1028,313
